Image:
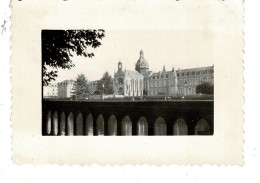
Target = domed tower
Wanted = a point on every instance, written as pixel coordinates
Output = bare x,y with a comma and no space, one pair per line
142,65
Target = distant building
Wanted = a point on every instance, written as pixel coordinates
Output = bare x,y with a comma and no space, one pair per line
188,79
65,89
142,81
127,83
174,82
50,91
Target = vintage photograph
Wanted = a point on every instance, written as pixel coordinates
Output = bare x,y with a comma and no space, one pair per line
98,82
108,83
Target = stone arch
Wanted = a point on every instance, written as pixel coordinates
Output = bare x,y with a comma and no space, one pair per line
202,128
89,125
180,127
121,91
48,124
100,125
62,124
160,127
55,123
126,126
70,129
79,125
142,126
112,125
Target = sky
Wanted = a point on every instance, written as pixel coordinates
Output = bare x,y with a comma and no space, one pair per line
172,48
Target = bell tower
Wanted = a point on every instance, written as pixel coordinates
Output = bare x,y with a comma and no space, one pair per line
119,66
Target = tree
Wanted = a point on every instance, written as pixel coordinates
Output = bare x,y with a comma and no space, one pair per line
58,47
81,88
205,88
105,84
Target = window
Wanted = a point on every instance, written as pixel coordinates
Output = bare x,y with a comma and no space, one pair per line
183,74
160,83
167,76
157,76
185,81
164,83
190,80
153,77
193,73
188,73
120,81
178,74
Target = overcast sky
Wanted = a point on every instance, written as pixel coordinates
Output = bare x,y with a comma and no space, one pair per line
178,48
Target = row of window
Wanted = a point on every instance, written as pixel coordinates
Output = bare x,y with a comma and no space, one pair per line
188,73
193,73
196,80
134,86
182,81
161,83
161,76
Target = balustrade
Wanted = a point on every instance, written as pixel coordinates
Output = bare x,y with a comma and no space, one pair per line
127,118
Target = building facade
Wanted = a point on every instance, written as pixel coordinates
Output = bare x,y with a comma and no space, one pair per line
180,82
50,91
127,83
65,89
188,79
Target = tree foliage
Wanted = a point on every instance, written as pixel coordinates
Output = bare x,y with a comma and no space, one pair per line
205,88
58,47
81,88
105,84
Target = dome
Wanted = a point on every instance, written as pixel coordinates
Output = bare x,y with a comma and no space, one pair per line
142,62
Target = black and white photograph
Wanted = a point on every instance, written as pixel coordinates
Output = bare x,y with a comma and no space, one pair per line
98,82
127,83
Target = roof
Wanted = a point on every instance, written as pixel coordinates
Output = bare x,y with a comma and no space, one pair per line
160,72
196,69
133,73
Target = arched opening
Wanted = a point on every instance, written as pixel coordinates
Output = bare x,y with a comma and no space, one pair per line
79,125
160,127
70,129
55,123
180,127
62,124
142,126
121,91
120,81
89,125
126,126
100,125
48,124
202,128
112,126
